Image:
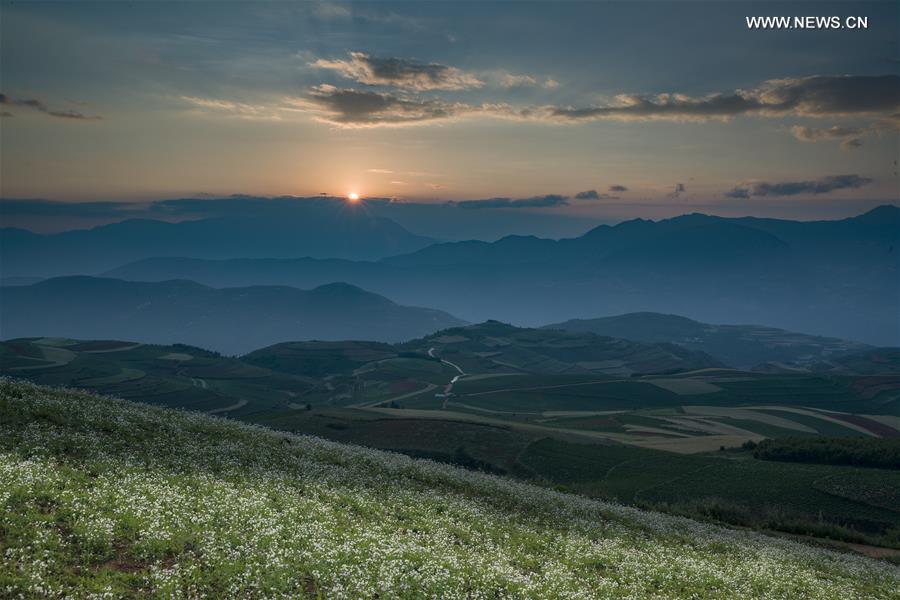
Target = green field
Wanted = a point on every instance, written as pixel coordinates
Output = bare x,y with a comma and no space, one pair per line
650,440
101,497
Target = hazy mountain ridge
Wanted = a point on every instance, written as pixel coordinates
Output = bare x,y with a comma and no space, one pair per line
318,228
834,278
229,320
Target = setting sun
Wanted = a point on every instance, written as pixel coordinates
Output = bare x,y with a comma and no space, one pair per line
353,197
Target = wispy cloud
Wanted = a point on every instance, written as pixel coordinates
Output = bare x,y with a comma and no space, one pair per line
242,110
849,137
816,96
824,185
618,188
40,106
400,72
511,80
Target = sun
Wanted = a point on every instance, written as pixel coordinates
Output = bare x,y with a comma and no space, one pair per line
353,197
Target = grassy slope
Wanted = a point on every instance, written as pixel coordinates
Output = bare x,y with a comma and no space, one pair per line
99,495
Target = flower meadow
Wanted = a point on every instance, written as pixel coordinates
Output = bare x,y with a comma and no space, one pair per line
102,498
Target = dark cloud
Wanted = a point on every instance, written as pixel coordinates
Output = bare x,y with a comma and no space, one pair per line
738,192
815,96
818,96
38,105
354,108
534,202
400,72
594,195
618,188
824,185
678,191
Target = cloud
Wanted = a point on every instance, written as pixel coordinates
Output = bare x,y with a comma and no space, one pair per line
534,202
328,11
400,72
379,171
354,108
594,195
678,191
38,105
5,114
848,136
241,110
509,80
815,96
824,185
618,188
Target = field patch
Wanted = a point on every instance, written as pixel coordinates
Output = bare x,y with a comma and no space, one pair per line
686,387
121,377
745,414
180,356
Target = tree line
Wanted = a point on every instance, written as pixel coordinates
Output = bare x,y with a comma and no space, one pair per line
883,453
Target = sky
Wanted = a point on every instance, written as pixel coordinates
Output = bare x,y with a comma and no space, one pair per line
563,111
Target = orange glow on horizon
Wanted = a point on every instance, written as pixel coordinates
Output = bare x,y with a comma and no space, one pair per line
353,197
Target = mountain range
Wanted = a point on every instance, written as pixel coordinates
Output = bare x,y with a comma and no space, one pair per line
314,227
833,278
230,320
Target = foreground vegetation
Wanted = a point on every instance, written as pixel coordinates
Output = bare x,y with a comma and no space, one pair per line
99,497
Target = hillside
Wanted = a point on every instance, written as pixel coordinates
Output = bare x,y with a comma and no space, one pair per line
101,495
176,376
186,312
830,278
741,346
493,346
600,435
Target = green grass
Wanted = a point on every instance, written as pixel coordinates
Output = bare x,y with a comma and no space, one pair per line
102,497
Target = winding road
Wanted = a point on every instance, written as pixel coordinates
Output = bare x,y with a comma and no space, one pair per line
449,387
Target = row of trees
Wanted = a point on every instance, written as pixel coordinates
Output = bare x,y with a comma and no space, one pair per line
883,453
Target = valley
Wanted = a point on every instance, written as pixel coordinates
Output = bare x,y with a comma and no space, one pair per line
657,426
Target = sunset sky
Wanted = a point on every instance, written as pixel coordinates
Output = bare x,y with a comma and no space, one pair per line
602,110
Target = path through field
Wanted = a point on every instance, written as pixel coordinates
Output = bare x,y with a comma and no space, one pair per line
372,403
225,409
449,387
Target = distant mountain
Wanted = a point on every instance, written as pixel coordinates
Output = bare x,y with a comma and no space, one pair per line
834,278
493,346
317,228
232,320
741,346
